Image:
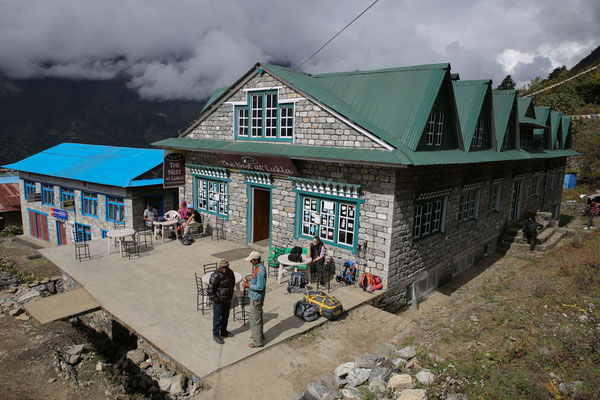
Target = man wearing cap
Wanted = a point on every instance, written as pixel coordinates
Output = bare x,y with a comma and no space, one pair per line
220,291
257,286
194,220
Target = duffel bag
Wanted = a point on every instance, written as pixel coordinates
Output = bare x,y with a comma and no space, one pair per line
305,311
329,307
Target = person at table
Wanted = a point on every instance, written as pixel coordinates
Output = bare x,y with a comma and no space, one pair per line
317,253
183,212
194,220
256,286
220,291
150,214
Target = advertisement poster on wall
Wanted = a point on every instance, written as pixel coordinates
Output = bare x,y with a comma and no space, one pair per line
173,168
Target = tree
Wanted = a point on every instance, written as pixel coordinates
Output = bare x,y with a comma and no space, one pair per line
565,101
507,83
558,72
586,140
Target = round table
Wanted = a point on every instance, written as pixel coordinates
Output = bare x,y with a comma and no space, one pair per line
170,223
120,234
238,279
284,261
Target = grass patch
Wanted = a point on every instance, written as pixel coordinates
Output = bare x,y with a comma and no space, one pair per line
565,219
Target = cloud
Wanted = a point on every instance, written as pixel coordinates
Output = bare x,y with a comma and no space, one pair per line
187,48
525,71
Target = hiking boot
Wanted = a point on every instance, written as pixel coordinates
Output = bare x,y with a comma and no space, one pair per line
218,339
226,334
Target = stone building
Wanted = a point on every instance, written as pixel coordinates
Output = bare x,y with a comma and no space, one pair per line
110,187
404,171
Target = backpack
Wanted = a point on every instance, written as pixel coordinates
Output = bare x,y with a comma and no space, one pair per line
348,276
295,255
377,284
329,307
366,280
305,311
187,240
296,283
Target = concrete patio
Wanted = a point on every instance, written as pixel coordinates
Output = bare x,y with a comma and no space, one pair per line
155,296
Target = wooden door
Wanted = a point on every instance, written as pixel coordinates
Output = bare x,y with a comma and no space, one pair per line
62,233
32,225
44,219
38,225
260,214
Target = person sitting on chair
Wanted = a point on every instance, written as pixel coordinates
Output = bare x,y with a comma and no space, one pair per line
150,214
194,220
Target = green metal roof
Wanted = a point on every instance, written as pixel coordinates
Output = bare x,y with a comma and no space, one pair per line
542,115
469,96
503,101
566,129
556,127
218,92
397,157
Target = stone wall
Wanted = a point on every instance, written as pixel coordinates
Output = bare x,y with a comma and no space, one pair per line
313,125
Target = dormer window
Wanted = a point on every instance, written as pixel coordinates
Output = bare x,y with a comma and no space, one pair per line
263,117
435,128
479,134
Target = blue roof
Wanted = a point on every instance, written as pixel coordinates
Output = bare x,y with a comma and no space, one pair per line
106,165
9,179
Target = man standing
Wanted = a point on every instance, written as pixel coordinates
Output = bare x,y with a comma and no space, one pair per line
592,210
220,291
150,214
317,253
530,229
257,286
194,220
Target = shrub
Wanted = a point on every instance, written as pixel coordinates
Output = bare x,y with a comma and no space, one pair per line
11,230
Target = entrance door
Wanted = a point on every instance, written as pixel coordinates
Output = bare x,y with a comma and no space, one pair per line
515,205
61,233
38,225
261,207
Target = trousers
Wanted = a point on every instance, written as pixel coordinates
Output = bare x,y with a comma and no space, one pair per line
256,321
220,317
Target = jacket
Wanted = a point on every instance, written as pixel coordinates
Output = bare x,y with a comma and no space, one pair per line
258,283
220,286
530,227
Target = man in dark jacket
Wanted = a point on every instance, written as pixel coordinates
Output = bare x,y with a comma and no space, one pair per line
220,291
530,229
317,253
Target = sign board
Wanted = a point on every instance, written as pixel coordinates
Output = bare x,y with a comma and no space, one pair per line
68,205
272,165
173,168
33,197
60,214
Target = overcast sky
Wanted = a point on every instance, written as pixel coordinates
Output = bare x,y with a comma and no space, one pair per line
187,48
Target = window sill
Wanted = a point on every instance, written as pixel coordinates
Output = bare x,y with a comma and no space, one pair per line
426,237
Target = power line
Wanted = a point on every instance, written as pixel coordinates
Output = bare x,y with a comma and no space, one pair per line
336,35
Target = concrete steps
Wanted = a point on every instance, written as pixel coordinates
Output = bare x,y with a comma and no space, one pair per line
512,240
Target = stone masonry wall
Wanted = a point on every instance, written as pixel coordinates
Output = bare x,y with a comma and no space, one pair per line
312,124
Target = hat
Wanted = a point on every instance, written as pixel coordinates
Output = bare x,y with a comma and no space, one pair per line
224,262
183,203
255,255
191,206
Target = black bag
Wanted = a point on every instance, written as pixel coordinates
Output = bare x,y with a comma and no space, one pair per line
187,240
296,283
305,311
329,306
295,255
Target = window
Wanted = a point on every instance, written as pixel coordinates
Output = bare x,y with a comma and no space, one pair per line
494,204
115,209
535,184
435,128
468,206
89,204
212,196
479,133
29,189
526,137
334,221
103,233
66,194
429,218
82,232
507,139
47,194
264,118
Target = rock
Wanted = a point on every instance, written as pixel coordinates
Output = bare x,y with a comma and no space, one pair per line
544,351
413,364
73,358
412,394
136,356
407,353
351,394
358,376
391,347
369,361
75,350
457,396
144,365
425,377
344,369
377,385
40,288
99,366
177,385
51,380
164,383
22,317
400,382
398,363
435,358
379,373
15,311
583,318
316,391
569,388
32,294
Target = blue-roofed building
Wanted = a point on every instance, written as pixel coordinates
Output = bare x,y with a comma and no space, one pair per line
109,186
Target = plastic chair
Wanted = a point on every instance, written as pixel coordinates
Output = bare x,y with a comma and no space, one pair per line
202,300
272,262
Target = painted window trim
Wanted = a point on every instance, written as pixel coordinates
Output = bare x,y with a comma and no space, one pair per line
248,108
444,210
103,233
300,194
476,200
84,198
250,216
434,134
109,203
44,190
195,196
27,184
79,224
62,195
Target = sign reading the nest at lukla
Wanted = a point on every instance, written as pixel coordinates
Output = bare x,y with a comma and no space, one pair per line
271,165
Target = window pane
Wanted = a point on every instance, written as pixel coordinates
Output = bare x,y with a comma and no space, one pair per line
242,122
257,114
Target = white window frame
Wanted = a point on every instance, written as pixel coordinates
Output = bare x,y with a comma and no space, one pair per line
270,117
429,217
242,122
469,206
494,204
286,122
256,107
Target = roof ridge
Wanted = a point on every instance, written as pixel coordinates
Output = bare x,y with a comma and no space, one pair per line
472,82
411,68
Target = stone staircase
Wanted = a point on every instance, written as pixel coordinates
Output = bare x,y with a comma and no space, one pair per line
512,240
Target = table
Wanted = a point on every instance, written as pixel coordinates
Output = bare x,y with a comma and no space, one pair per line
283,261
120,234
238,279
171,224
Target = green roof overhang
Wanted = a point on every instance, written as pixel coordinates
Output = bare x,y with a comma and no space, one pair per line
528,121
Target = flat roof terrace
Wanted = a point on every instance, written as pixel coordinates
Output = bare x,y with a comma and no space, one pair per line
155,296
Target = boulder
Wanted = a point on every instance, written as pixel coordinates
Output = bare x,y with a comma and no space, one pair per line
30,295
73,358
99,366
457,396
398,363
368,361
15,311
75,350
413,364
358,376
400,382
344,369
136,356
379,373
316,391
407,353
22,317
412,394
425,377
177,385
351,394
